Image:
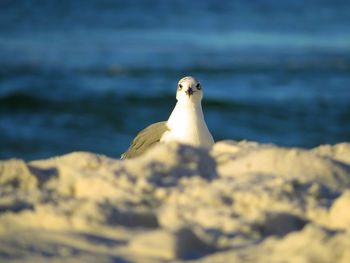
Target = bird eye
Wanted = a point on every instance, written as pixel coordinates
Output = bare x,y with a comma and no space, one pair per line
198,86
180,86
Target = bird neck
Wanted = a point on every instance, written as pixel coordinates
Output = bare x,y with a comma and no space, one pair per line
186,124
187,114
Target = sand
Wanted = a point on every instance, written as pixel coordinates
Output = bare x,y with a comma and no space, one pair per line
240,202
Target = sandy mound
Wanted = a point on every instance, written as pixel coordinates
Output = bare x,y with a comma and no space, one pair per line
241,202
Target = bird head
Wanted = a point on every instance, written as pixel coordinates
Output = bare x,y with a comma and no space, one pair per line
189,89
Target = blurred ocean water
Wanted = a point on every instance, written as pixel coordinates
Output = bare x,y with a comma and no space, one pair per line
88,75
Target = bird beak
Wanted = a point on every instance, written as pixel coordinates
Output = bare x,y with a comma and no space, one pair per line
189,92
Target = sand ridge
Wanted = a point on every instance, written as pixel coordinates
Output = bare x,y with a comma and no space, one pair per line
239,202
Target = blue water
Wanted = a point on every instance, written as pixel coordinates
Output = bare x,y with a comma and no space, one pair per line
88,75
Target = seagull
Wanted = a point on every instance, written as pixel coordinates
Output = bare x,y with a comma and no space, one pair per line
185,125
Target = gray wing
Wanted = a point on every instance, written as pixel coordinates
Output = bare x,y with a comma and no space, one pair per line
145,139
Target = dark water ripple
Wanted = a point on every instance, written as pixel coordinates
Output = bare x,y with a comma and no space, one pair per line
32,124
